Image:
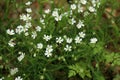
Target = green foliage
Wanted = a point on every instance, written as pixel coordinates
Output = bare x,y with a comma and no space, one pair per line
113,58
80,69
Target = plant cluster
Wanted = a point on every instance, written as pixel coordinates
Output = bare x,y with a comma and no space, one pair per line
59,41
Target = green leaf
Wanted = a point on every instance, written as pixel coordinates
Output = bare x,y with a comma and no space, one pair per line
109,57
80,69
71,73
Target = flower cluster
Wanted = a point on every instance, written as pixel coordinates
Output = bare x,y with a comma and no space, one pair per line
57,17
50,33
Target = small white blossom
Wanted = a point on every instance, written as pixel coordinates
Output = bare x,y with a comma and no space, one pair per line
34,35
55,13
22,55
11,43
13,71
78,39
26,17
47,11
80,9
28,25
69,40
68,48
95,3
72,21
93,40
48,51
39,45
83,2
10,32
91,9
28,3
2,78
86,13
80,24
59,40
26,33
29,10
42,21
58,18
82,34
18,78
73,6
38,28
19,29
47,37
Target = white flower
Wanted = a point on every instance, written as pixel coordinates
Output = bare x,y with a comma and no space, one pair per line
2,78
18,78
68,48
73,21
55,13
59,40
83,1
22,55
82,34
86,13
19,29
13,71
39,45
34,35
78,39
93,40
42,21
49,48
91,9
10,32
47,11
38,28
80,24
80,9
58,18
48,51
26,33
26,17
28,25
47,37
73,6
28,3
11,43
29,10
93,2
69,40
